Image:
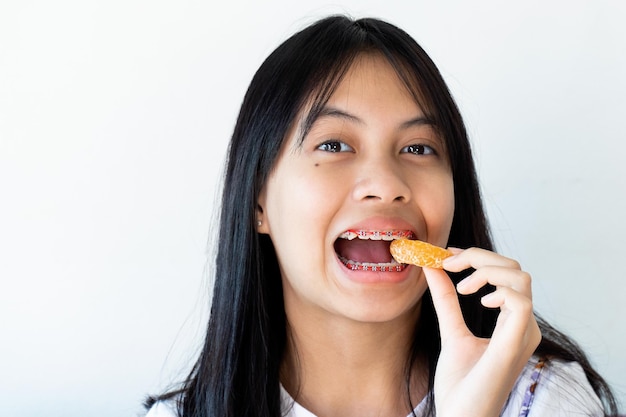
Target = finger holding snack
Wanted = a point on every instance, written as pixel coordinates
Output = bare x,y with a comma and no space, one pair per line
470,366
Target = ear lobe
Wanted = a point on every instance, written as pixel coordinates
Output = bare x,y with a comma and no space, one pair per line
261,220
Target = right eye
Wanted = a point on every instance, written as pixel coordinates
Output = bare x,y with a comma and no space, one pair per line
335,146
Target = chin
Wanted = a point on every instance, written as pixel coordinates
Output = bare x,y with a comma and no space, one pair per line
382,307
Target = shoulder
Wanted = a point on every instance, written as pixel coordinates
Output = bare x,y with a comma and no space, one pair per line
165,408
552,388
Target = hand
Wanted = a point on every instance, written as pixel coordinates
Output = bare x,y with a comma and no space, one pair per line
474,376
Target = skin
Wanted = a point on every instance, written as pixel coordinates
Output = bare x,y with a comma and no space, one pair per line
371,161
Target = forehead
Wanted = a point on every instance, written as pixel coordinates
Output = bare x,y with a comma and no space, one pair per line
371,81
370,85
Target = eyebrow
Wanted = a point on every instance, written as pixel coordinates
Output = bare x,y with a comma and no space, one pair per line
328,111
418,121
334,112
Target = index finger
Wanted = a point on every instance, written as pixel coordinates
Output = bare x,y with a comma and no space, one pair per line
476,258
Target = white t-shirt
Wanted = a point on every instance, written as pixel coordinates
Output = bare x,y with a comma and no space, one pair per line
559,389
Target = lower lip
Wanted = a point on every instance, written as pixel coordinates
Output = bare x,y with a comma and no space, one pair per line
375,277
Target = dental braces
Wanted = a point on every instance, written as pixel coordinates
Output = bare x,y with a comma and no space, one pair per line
376,234
370,267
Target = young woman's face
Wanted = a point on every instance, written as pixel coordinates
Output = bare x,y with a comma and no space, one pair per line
371,164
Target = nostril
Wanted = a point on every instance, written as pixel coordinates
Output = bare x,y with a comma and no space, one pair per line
381,187
399,198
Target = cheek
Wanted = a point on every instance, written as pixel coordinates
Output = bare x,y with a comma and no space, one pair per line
299,208
296,200
438,211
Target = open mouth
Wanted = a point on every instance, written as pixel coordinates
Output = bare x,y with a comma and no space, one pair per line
368,250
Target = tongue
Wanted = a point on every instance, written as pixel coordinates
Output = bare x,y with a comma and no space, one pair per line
358,250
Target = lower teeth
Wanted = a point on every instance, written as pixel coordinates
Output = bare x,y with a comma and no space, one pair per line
366,266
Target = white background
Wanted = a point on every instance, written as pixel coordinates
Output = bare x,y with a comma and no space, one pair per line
114,118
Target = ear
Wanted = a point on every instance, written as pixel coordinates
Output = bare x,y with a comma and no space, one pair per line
262,225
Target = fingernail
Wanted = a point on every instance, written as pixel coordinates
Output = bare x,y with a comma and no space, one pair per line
462,284
488,298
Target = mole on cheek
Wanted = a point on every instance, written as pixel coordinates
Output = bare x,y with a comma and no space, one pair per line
317,164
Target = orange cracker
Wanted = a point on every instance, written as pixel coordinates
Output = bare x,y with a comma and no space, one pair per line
418,253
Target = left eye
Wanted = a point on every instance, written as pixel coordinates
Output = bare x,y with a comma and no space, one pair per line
419,150
335,146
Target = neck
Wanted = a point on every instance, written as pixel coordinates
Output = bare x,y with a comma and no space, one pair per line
335,366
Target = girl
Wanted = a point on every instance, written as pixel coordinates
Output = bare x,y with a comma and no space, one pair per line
348,129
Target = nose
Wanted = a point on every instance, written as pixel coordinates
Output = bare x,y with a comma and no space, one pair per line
383,182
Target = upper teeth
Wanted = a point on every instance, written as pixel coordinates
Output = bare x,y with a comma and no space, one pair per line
375,234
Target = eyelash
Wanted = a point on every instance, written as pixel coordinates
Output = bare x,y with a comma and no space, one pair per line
420,149
335,146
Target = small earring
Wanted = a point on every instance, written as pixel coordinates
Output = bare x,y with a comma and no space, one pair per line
259,223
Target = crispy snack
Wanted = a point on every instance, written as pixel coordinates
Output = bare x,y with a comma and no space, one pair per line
418,253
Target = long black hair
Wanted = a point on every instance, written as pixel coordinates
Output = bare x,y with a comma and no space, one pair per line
237,373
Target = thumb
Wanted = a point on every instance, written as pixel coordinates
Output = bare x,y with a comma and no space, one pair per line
446,302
